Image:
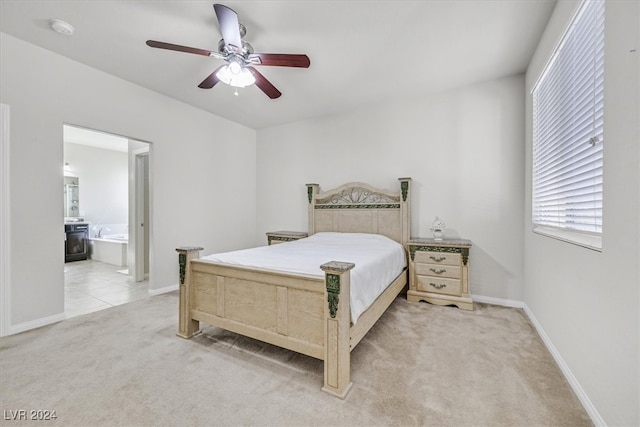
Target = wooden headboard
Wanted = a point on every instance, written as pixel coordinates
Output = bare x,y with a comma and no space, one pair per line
360,208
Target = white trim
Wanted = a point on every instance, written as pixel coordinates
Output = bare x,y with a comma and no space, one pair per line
141,150
557,46
589,241
5,224
166,289
134,261
497,301
571,379
37,323
573,382
139,174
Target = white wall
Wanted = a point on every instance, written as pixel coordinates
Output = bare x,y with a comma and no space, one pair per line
463,148
103,176
587,301
202,170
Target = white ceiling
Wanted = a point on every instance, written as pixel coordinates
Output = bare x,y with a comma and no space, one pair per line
93,138
361,51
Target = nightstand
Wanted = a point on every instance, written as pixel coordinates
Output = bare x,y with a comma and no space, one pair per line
439,272
274,237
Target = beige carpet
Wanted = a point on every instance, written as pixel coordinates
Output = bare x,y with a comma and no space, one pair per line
419,365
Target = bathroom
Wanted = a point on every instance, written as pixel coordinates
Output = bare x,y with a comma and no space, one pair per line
98,166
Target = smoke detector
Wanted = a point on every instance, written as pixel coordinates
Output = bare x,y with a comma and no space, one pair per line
61,27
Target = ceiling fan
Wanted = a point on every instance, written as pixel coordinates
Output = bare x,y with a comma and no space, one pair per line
239,56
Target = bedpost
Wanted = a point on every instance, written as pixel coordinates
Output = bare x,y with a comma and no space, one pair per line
187,327
405,208
337,324
312,192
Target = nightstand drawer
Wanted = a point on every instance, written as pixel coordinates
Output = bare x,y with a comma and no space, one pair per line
437,270
437,258
439,285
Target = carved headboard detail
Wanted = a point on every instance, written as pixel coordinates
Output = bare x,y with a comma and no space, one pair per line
357,207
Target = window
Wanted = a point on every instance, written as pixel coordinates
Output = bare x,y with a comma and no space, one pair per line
568,107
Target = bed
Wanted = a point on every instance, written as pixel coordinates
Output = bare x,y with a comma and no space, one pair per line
293,305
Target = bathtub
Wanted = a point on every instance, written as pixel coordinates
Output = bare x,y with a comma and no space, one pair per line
111,249
118,237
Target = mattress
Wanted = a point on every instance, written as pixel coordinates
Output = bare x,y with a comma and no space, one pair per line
378,261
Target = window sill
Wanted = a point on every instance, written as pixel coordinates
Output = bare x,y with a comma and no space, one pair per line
588,241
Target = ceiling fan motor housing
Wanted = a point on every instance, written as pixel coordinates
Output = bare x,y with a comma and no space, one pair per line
247,49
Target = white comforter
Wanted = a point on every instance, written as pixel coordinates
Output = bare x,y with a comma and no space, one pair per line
378,259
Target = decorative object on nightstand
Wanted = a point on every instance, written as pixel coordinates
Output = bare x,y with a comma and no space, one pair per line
439,272
274,237
437,228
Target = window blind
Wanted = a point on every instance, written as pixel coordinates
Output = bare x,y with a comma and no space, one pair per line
568,114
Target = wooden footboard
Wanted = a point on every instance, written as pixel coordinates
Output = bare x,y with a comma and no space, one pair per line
305,314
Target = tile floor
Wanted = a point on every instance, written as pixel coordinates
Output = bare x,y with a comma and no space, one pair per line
92,285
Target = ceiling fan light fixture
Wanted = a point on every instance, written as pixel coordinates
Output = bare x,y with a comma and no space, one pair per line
235,68
238,54
235,75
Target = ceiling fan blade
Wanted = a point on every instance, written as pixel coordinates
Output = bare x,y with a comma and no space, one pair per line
211,79
264,84
229,27
170,46
280,59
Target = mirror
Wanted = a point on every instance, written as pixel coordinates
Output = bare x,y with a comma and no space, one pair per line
71,196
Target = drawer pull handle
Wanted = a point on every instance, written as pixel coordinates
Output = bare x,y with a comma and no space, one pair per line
438,259
438,271
438,286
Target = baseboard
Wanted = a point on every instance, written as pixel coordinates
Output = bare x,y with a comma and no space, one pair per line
497,301
164,290
573,382
38,323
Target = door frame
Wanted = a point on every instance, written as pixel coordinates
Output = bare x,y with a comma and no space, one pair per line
137,200
5,224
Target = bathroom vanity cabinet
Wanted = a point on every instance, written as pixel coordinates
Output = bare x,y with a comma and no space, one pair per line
76,241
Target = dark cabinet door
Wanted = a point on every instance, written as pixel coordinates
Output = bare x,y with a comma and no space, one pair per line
76,243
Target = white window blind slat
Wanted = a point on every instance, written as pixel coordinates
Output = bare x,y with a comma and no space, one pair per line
568,117
565,158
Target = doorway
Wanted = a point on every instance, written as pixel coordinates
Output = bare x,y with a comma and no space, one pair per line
112,175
